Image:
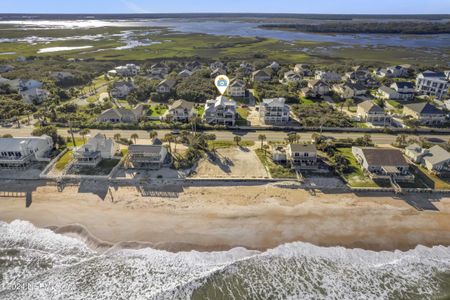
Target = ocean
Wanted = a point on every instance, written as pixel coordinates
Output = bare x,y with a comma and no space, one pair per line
37,263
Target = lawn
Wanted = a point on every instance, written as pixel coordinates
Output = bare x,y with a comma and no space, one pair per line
157,111
276,170
229,144
64,160
306,101
355,178
431,180
103,168
200,110
242,116
78,140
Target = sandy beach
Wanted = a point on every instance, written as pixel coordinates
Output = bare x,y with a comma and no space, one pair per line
217,218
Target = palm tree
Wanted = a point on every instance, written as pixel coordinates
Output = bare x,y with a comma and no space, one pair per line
134,137
195,120
84,132
262,138
117,136
237,139
153,134
265,148
169,138
292,137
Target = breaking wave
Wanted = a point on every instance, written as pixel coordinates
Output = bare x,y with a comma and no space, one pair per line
41,264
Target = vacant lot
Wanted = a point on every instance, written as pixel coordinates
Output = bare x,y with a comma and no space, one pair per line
234,162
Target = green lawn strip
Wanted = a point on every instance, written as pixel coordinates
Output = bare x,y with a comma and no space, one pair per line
157,111
276,170
430,180
229,144
355,178
64,160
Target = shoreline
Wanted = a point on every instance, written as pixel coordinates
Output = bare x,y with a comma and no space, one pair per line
221,218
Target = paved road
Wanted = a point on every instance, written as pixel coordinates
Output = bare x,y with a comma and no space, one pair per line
228,135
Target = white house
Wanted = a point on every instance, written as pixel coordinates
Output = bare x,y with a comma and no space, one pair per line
349,90
316,88
436,159
274,111
180,111
432,84
122,115
185,74
425,113
21,151
369,112
404,89
329,77
387,93
129,70
122,89
221,111
97,148
216,65
303,70
383,163
159,69
391,72
237,88
149,157
302,156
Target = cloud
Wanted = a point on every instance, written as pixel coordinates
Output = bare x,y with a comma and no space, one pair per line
133,7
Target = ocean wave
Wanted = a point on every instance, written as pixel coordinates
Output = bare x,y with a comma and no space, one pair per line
42,264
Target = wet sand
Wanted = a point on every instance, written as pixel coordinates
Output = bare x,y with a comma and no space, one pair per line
218,218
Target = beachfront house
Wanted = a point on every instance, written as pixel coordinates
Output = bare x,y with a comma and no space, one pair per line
179,111
149,157
436,159
237,88
166,86
18,153
95,150
122,115
369,112
432,84
274,111
303,70
262,75
218,72
383,163
425,113
404,89
302,156
221,111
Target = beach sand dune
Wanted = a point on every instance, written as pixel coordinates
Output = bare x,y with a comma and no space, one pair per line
217,218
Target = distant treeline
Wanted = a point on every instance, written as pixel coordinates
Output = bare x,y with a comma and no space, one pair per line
367,27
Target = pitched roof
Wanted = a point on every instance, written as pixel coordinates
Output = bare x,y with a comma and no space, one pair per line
303,147
369,106
429,73
237,82
145,148
403,84
274,101
168,82
424,108
436,155
387,89
384,157
182,104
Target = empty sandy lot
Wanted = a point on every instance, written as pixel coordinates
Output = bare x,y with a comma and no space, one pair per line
235,162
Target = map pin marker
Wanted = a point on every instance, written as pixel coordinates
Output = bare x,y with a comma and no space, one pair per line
222,82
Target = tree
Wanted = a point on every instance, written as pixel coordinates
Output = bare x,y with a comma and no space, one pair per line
211,137
117,137
134,137
367,140
84,132
262,138
342,164
265,148
153,134
169,138
401,140
237,139
292,138
349,102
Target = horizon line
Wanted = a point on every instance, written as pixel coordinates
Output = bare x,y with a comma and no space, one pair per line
227,13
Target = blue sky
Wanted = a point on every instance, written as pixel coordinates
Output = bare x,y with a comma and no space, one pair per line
277,6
